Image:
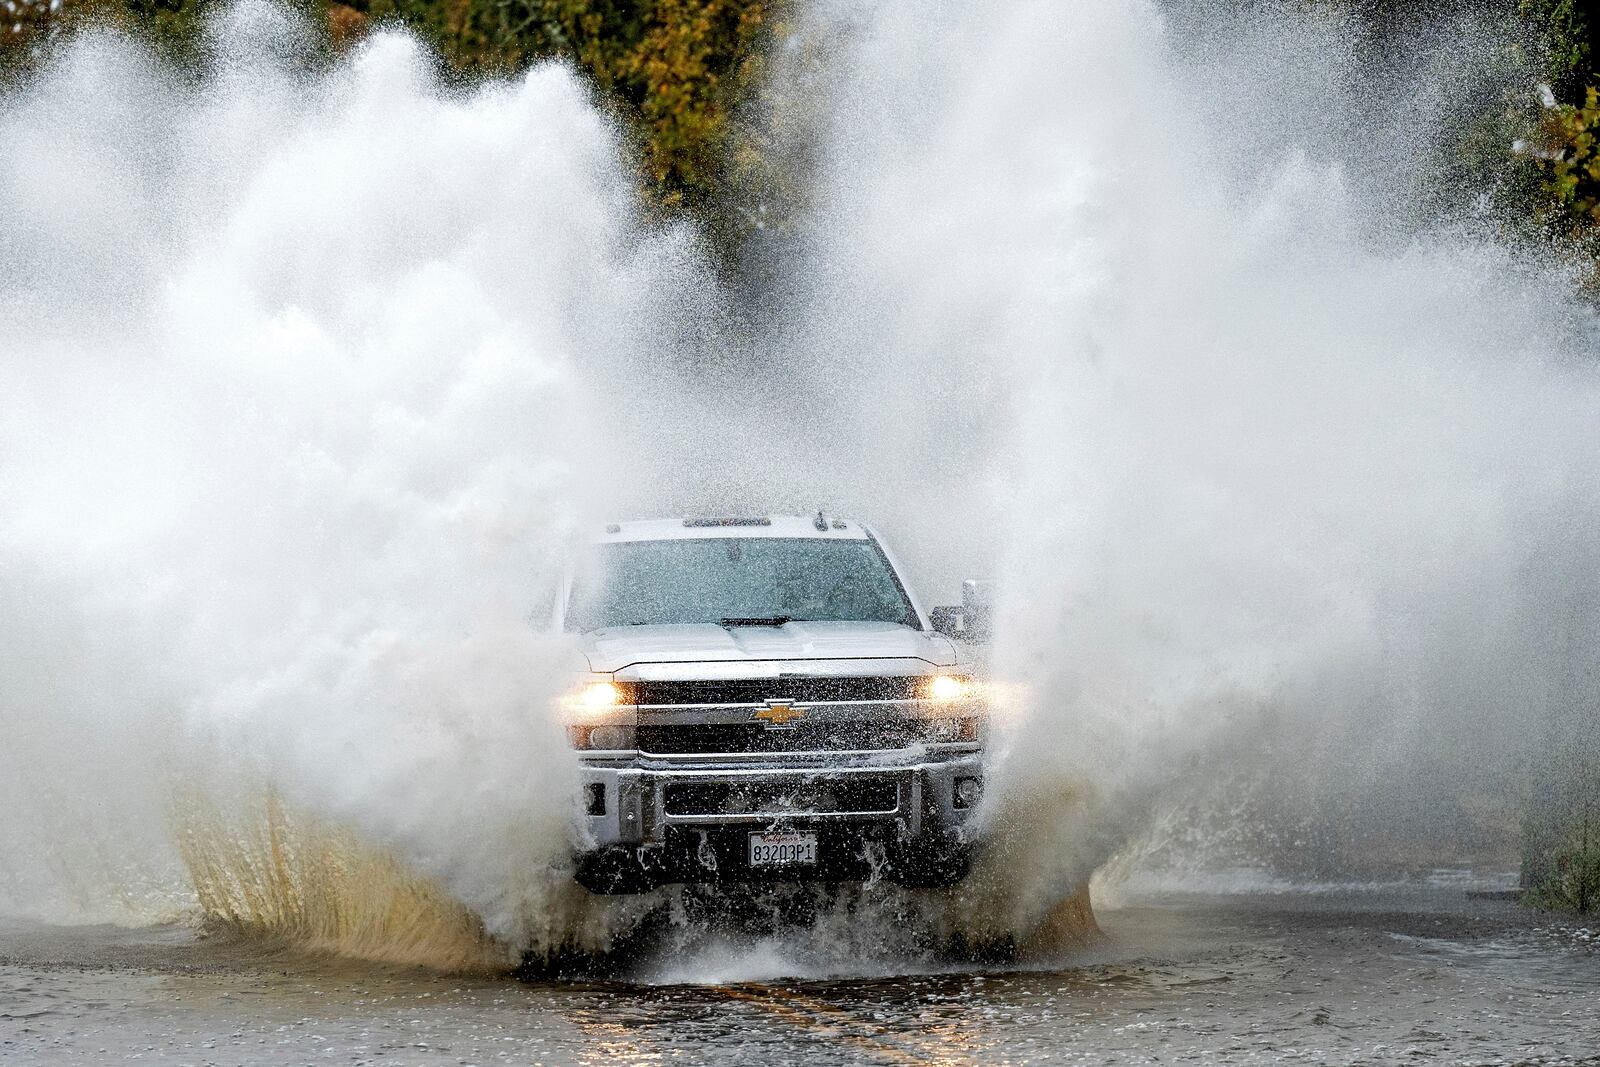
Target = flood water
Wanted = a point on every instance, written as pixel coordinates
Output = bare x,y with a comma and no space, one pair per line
1374,975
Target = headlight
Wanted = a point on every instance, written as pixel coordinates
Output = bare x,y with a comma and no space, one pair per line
947,688
598,695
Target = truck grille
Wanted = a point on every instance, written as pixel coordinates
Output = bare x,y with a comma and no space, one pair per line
865,795
756,737
760,690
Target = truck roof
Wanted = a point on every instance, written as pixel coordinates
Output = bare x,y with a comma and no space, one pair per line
723,526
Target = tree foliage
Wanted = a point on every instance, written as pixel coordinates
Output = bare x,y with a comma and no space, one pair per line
1568,32
1568,876
1567,153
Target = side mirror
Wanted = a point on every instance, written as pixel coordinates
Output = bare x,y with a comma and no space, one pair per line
971,620
948,621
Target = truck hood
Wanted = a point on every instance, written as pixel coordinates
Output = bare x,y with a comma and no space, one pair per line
620,647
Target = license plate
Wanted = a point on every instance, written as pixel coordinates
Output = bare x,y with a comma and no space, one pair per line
781,850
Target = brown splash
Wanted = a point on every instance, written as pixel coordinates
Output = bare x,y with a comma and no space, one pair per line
260,871
1070,926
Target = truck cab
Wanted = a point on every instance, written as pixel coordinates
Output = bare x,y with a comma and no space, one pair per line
764,698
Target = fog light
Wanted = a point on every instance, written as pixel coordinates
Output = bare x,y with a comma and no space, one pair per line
945,731
967,792
610,737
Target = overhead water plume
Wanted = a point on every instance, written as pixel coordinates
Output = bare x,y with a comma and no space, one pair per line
299,411
1284,468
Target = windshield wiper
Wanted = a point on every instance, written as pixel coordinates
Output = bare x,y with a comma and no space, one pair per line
760,620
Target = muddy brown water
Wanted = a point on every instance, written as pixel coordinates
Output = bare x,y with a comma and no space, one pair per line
1386,976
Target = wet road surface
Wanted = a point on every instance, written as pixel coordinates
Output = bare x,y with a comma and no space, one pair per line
1371,977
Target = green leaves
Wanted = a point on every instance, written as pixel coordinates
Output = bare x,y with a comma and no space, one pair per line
1565,153
1572,878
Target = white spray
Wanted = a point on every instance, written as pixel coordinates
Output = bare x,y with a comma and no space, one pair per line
1284,482
298,418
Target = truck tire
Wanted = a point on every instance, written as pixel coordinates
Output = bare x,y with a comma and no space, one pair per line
932,869
613,872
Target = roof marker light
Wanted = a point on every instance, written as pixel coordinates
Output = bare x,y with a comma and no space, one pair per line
693,523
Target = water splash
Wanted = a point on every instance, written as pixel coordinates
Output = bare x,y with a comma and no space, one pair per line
269,875
299,416
1281,466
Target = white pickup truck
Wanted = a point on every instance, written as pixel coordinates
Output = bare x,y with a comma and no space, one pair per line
765,699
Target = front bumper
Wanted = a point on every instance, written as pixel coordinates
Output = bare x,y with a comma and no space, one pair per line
898,796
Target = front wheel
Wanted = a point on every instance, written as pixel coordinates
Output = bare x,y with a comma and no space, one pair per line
612,872
932,868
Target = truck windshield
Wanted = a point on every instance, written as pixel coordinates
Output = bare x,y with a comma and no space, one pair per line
749,581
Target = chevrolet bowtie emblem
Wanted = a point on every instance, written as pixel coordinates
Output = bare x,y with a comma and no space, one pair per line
779,714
